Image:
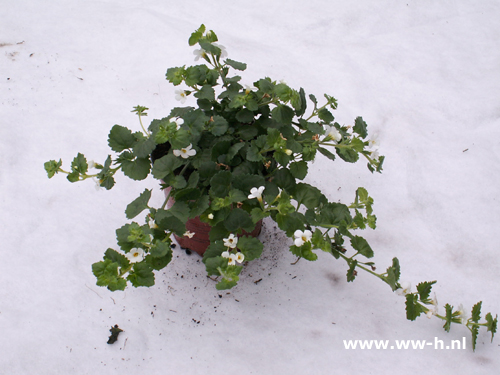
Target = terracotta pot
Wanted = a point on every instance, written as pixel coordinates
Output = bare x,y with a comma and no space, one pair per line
200,241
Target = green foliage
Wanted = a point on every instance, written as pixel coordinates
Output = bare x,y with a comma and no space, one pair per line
138,205
424,290
413,308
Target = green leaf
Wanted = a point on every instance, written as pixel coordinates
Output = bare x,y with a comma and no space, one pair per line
160,249
218,126
79,164
196,35
303,103
393,274
308,195
221,184
168,222
413,308
360,127
215,249
476,312
213,264
236,65
334,214
225,284
283,114
361,245
116,257
327,153
347,154
175,75
52,167
284,179
492,324
144,147
138,205
165,165
245,116
298,169
206,92
137,169
237,219
120,138
351,272
106,273
424,289
449,317
474,331
251,247
142,275
325,115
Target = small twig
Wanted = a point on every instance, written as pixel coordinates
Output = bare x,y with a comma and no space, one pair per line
294,263
93,290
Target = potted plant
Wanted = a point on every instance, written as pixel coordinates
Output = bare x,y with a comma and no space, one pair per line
239,156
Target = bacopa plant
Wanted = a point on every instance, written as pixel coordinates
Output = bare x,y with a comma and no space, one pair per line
242,155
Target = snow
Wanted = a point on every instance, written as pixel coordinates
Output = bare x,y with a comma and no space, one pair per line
423,74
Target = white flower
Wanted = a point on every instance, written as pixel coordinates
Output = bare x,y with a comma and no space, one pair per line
283,81
199,53
404,290
373,142
240,257
301,237
178,122
185,152
256,193
91,164
231,241
223,52
97,184
433,309
152,223
189,234
374,154
249,89
135,255
333,133
225,254
462,314
288,152
232,260
181,96
211,216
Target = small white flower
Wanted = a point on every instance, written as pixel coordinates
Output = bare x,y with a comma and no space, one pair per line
178,122
211,216
256,193
333,133
91,164
152,223
231,241
301,237
462,314
97,184
249,89
181,96
404,290
232,260
223,52
433,308
135,255
288,152
185,152
240,257
374,154
189,234
373,142
283,81
199,53
225,254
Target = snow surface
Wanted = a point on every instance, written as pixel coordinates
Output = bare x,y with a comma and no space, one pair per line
425,76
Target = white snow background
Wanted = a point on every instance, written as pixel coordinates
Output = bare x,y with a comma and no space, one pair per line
424,75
